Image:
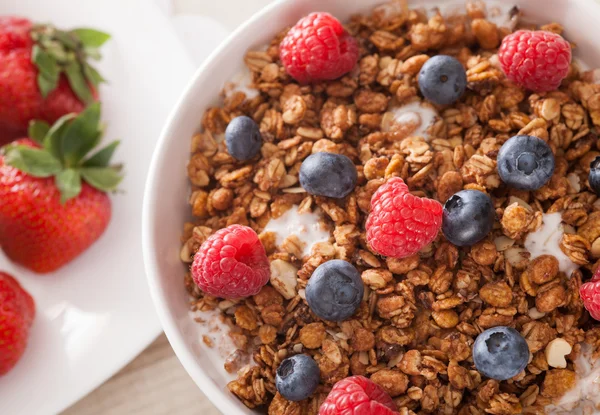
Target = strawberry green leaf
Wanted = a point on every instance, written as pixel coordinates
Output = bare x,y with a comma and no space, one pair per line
78,82
45,85
102,157
92,53
33,161
81,135
37,130
53,140
92,75
90,37
67,39
48,70
68,182
102,178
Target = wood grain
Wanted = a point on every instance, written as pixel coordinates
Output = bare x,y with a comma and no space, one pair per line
155,383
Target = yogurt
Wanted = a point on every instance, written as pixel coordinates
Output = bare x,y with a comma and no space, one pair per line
546,241
584,398
241,83
305,226
220,345
412,119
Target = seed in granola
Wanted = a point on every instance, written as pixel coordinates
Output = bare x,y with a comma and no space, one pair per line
525,162
335,290
328,174
468,217
297,377
243,138
594,176
500,353
442,79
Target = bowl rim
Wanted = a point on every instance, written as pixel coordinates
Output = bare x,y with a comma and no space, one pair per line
219,397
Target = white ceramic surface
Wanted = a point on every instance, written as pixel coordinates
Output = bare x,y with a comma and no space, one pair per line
165,208
95,314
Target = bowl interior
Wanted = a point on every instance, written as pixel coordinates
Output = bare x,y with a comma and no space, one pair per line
165,205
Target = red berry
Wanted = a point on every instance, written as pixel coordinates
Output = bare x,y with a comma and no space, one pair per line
590,295
596,275
231,263
17,311
21,97
536,60
357,395
318,48
401,224
42,227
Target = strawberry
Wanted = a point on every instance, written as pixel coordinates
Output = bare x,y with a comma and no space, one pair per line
16,316
44,73
54,201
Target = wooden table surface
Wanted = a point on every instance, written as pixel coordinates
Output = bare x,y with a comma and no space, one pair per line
155,383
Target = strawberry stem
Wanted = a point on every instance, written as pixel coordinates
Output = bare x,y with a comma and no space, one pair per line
64,154
57,52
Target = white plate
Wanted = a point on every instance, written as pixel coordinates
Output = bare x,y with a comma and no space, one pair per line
95,314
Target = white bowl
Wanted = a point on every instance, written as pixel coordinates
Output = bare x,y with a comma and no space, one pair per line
165,204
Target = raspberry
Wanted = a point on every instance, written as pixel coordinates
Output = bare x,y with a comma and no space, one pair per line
535,60
231,263
400,224
318,48
590,295
358,395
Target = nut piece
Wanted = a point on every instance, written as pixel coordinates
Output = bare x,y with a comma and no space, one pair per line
283,278
535,314
556,351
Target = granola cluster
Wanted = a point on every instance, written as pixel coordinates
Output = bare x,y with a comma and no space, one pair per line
414,330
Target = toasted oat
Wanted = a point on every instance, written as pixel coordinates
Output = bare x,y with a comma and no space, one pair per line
420,315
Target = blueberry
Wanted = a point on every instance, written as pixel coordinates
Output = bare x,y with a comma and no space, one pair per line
468,217
594,177
525,162
328,174
500,353
442,79
297,377
243,138
335,290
